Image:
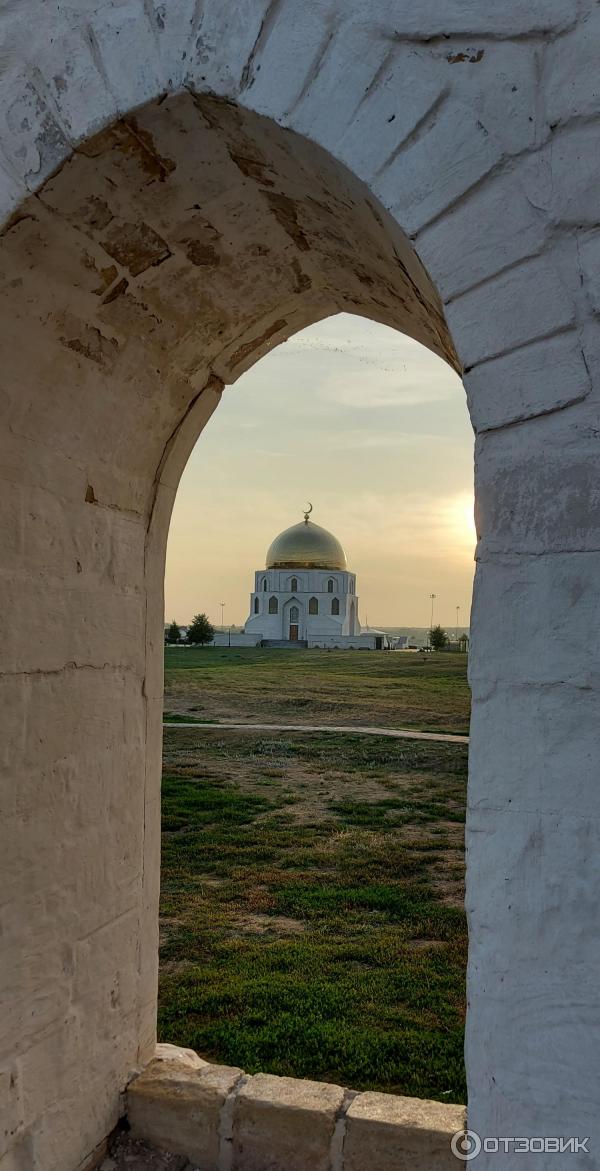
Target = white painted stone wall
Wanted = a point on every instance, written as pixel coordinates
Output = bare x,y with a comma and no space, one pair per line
142,271
236,638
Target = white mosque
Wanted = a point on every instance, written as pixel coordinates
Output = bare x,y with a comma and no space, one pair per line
306,595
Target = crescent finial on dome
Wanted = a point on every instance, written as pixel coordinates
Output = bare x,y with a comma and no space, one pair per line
308,512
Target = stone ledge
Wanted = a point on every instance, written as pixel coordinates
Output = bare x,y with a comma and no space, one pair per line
222,1120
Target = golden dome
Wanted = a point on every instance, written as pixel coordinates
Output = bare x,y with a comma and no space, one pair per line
306,546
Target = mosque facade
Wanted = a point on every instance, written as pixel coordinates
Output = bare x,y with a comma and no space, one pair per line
306,595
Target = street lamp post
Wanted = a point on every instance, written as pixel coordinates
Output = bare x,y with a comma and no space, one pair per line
432,598
222,605
457,612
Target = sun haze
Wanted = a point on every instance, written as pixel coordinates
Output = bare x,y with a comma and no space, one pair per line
369,426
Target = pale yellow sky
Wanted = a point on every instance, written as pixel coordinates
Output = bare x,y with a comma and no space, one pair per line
370,427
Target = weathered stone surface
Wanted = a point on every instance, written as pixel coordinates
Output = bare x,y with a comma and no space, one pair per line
114,30
77,84
391,109
555,593
356,55
588,248
285,1124
34,142
525,852
564,714
11,1108
570,77
11,192
464,152
396,1134
223,44
545,376
180,1055
537,491
561,179
428,19
286,56
499,82
178,1107
524,303
493,227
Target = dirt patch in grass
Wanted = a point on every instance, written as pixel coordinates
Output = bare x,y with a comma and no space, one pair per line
312,893
267,925
324,687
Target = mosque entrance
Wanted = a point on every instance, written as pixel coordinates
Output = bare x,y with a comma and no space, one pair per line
294,623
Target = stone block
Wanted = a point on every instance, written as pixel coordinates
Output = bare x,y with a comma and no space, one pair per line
288,57
79,89
393,1133
33,140
179,1108
180,1055
223,45
429,18
532,890
527,302
284,1124
536,487
532,380
589,259
562,179
434,171
570,78
132,79
405,93
19,1157
175,26
499,82
527,597
12,191
356,56
553,767
493,227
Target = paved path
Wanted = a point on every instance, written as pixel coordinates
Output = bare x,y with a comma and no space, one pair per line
356,729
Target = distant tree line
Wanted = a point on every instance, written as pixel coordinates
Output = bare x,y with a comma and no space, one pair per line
439,640
199,632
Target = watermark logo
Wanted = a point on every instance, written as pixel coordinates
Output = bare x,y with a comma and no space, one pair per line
466,1145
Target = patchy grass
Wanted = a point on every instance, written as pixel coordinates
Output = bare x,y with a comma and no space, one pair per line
312,920
396,690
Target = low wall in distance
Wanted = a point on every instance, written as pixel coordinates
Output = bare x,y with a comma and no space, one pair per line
224,1120
224,638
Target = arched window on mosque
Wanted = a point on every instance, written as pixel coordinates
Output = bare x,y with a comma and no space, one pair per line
264,583
335,606
273,606
294,614
330,585
294,584
256,606
313,606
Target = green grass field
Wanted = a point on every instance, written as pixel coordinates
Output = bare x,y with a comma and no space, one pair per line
327,687
312,884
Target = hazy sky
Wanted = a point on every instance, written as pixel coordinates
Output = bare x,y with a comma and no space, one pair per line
370,427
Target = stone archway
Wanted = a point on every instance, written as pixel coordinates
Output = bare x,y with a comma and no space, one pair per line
156,244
